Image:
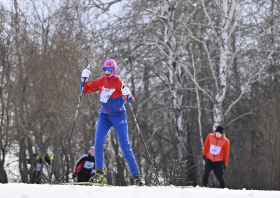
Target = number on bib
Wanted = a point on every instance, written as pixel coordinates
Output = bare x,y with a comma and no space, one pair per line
105,94
215,149
88,164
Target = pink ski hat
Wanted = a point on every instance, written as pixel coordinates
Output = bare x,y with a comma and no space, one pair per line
91,149
112,64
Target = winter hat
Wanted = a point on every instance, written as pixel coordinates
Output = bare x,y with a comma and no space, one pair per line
113,64
40,147
219,129
91,149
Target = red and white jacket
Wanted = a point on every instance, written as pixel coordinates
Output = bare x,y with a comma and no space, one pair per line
115,104
85,165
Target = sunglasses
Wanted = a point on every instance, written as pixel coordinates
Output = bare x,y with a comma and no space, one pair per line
108,69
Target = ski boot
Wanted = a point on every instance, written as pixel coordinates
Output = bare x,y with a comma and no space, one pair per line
98,177
138,180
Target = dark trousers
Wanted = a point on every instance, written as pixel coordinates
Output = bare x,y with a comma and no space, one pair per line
218,168
83,177
37,175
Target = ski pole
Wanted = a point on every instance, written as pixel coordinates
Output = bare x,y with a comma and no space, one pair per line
73,128
138,128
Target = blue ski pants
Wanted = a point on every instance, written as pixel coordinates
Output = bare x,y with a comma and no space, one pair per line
119,123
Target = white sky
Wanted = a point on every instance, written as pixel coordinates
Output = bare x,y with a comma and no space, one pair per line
13,190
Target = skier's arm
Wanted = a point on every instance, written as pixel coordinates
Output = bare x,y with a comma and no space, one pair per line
92,86
130,99
78,162
126,92
206,145
49,159
226,152
30,160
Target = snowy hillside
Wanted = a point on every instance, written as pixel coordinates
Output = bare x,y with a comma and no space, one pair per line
53,191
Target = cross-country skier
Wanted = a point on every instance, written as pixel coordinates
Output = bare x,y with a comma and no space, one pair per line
216,151
85,166
112,94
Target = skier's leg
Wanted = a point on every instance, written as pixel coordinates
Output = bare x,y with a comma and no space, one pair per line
121,128
80,177
87,177
83,177
38,177
102,129
207,171
219,172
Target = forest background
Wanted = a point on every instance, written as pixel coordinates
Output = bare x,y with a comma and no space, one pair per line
190,64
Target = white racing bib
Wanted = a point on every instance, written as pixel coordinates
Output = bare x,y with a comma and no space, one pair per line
39,165
88,164
105,94
215,149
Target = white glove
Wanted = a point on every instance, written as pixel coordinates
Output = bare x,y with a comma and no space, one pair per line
85,74
126,91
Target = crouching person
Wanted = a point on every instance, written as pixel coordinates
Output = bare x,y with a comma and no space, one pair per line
85,166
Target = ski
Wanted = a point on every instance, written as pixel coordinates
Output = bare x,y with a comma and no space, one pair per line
87,184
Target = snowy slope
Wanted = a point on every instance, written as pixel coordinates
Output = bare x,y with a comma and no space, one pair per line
53,191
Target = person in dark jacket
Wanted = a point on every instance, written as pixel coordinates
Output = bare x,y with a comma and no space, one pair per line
215,153
85,166
37,160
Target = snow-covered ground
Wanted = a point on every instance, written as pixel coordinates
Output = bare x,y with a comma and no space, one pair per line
14,190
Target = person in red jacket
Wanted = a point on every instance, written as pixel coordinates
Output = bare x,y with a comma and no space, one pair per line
112,95
215,153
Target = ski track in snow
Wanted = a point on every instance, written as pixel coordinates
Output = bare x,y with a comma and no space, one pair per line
19,190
